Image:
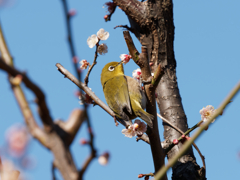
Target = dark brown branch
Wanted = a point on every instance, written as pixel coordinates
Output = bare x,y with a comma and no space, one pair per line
142,61
69,35
86,164
125,26
110,14
43,109
91,67
134,9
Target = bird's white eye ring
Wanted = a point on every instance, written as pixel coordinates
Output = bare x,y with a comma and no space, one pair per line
111,68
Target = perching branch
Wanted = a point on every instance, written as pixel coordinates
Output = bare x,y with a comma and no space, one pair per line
82,86
185,147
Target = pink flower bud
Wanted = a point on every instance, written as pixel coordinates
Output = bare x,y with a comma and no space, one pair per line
106,17
83,141
72,12
75,59
175,141
188,138
183,136
140,175
150,64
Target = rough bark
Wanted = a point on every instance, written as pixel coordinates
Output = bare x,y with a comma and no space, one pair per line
154,28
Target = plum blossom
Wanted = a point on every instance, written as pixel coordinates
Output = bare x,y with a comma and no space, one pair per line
136,129
137,74
84,64
104,159
125,58
102,49
207,112
92,41
129,132
102,34
141,128
17,139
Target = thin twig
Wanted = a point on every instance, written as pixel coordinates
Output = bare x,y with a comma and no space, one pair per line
125,26
179,130
70,39
91,67
187,144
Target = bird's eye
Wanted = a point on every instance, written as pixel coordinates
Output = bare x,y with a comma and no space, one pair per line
111,68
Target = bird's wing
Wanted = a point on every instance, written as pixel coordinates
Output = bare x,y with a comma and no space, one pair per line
117,97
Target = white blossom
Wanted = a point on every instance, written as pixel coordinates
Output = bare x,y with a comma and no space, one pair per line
84,64
92,41
102,34
207,112
104,158
136,129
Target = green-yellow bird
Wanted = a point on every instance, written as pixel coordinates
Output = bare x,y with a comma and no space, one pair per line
124,94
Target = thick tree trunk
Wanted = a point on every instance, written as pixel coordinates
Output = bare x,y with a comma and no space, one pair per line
155,29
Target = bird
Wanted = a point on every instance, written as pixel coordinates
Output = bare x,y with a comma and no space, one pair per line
124,95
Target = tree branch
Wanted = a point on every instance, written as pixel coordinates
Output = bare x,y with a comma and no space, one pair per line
134,9
40,97
187,145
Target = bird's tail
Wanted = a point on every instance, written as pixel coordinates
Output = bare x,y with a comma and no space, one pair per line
148,118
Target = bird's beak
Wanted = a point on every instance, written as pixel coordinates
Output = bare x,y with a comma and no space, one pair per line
120,63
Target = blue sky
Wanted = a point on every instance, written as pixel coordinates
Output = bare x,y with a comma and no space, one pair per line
207,53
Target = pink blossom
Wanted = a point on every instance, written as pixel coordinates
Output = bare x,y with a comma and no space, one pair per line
137,74
207,112
104,159
84,64
125,58
106,17
17,138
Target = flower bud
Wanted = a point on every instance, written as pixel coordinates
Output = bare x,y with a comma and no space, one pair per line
175,141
